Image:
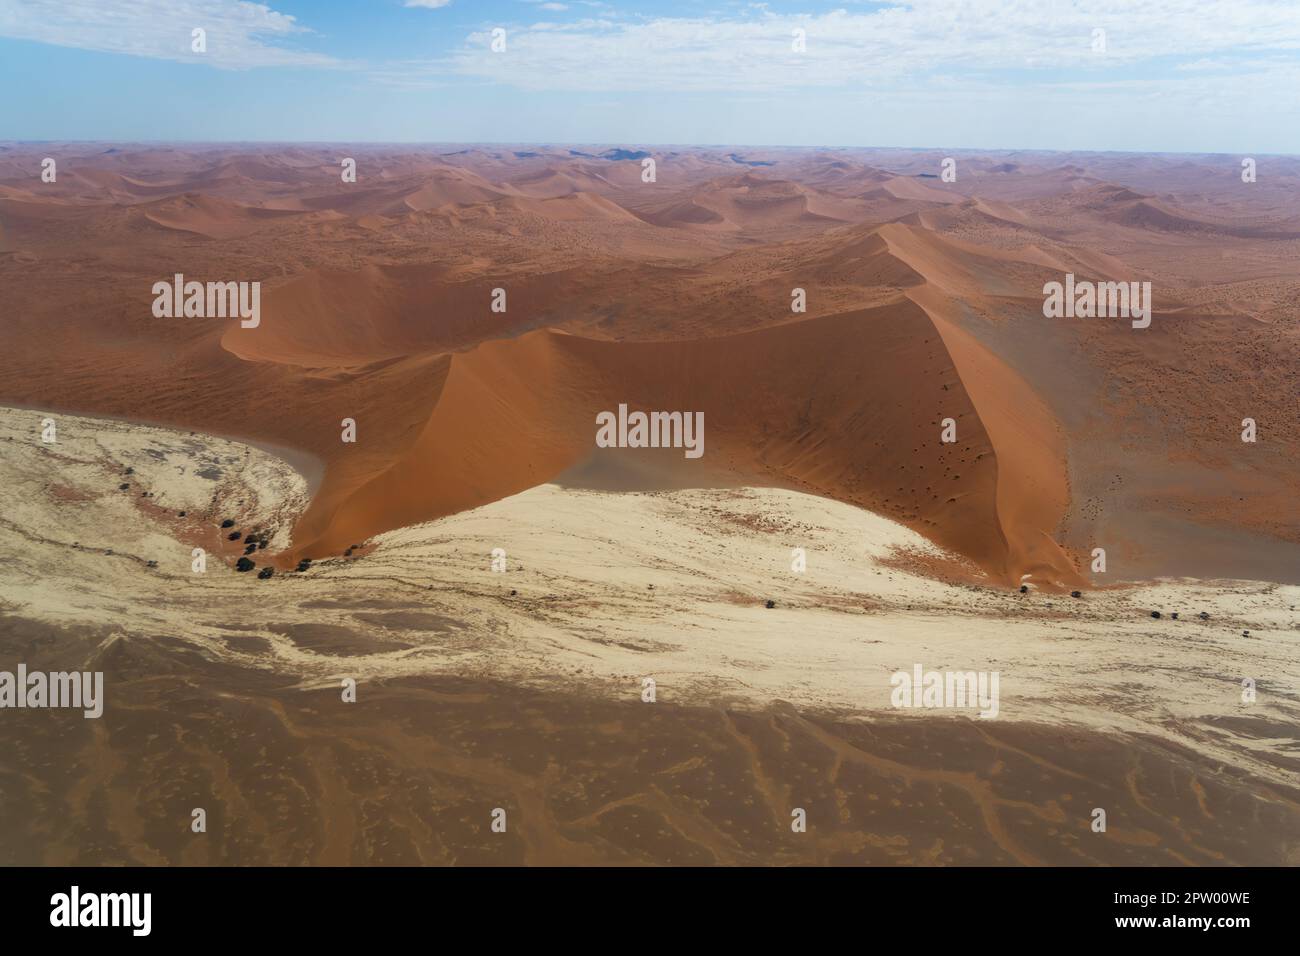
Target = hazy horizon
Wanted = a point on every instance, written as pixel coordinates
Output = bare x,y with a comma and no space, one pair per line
611,144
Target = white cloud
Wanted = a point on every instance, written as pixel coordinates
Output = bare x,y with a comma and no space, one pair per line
427,4
876,49
240,35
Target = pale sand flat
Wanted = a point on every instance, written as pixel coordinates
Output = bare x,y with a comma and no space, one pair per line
613,588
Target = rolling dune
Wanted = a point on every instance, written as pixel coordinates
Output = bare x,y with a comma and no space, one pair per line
923,304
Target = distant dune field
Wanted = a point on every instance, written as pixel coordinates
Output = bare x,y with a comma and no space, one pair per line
924,302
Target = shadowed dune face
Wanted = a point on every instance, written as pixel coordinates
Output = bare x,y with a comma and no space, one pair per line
924,303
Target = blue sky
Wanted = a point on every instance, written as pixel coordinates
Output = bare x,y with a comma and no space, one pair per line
1166,75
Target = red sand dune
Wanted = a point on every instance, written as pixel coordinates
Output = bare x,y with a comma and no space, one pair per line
924,303
828,405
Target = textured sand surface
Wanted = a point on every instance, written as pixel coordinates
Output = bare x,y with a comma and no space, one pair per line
525,685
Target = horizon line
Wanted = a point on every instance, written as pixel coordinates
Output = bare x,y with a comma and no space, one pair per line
625,145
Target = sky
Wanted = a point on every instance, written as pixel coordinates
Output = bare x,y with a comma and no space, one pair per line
1141,75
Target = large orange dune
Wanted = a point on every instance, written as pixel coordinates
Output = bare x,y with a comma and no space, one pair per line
827,405
923,303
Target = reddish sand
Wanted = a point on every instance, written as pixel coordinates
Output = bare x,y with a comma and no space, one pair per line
924,303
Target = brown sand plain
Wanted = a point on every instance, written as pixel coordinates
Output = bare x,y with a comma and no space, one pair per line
475,431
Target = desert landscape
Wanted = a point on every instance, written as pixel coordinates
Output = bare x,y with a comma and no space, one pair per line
359,574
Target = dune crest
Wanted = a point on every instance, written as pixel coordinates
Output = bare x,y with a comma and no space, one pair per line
515,413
